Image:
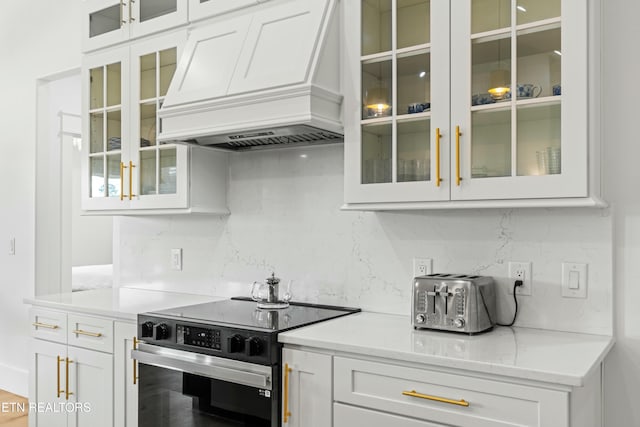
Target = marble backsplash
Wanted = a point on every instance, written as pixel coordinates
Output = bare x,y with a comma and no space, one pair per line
286,219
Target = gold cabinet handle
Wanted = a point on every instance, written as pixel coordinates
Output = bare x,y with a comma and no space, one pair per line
135,364
67,392
131,166
438,136
131,18
286,414
458,178
89,334
58,391
45,325
413,393
122,168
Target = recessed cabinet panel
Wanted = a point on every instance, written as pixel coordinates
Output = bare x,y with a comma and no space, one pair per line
491,143
414,151
539,140
376,26
488,15
539,63
529,11
414,22
376,153
377,93
105,20
151,9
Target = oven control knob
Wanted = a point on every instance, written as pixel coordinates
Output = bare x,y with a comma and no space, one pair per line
235,343
420,318
458,323
253,346
161,331
146,329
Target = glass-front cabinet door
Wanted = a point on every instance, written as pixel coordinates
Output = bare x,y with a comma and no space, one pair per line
105,130
397,100
150,16
159,178
519,99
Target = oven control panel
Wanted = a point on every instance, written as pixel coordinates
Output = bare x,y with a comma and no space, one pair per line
199,337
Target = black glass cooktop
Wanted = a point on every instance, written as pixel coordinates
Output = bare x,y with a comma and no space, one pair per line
243,313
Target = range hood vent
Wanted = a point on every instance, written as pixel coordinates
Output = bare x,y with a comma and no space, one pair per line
266,76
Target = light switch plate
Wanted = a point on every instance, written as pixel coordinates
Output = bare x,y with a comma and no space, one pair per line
572,272
176,259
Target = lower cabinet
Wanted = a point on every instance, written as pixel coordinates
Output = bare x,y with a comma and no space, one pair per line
343,391
306,391
83,377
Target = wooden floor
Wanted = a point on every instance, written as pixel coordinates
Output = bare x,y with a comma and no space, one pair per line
10,416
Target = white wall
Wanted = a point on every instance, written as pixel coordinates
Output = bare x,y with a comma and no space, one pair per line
621,64
32,45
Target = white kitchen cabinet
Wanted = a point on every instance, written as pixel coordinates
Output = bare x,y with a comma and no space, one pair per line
306,380
69,378
124,168
108,22
422,129
348,416
125,406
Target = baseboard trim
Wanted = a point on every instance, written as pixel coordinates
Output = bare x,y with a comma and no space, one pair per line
14,380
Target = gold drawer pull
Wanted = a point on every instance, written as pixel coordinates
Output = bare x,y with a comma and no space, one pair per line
413,393
89,334
287,413
66,381
45,325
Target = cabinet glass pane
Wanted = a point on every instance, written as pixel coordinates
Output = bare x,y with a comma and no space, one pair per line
105,20
114,130
148,172
376,153
376,26
376,89
113,175
96,170
414,84
168,171
539,145
114,75
491,71
168,63
148,76
537,10
96,128
147,124
491,146
150,9
487,15
414,150
539,63
414,22
96,88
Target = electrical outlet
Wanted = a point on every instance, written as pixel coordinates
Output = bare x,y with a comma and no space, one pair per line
520,271
12,246
176,259
422,266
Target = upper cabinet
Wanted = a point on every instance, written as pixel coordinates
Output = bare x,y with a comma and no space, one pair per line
468,103
199,9
108,22
124,168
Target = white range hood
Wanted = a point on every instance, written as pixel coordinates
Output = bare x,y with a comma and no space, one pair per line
265,76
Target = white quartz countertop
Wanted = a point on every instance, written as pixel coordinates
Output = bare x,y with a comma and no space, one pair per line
121,303
533,354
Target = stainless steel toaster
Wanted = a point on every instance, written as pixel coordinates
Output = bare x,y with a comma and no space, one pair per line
454,302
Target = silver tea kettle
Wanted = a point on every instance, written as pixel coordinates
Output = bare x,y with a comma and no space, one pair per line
271,294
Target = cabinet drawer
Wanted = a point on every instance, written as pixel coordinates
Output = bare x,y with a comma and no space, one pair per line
349,416
48,324
89,332
490,403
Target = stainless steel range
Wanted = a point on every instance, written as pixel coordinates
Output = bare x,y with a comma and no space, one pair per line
216,364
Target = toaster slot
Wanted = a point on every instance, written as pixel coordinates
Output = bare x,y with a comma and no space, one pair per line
431,299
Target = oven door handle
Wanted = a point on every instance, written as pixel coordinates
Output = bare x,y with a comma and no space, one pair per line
233,371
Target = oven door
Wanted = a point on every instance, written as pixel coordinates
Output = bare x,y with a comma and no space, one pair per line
185,389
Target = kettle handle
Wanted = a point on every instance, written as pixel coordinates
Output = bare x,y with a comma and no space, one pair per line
255,292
